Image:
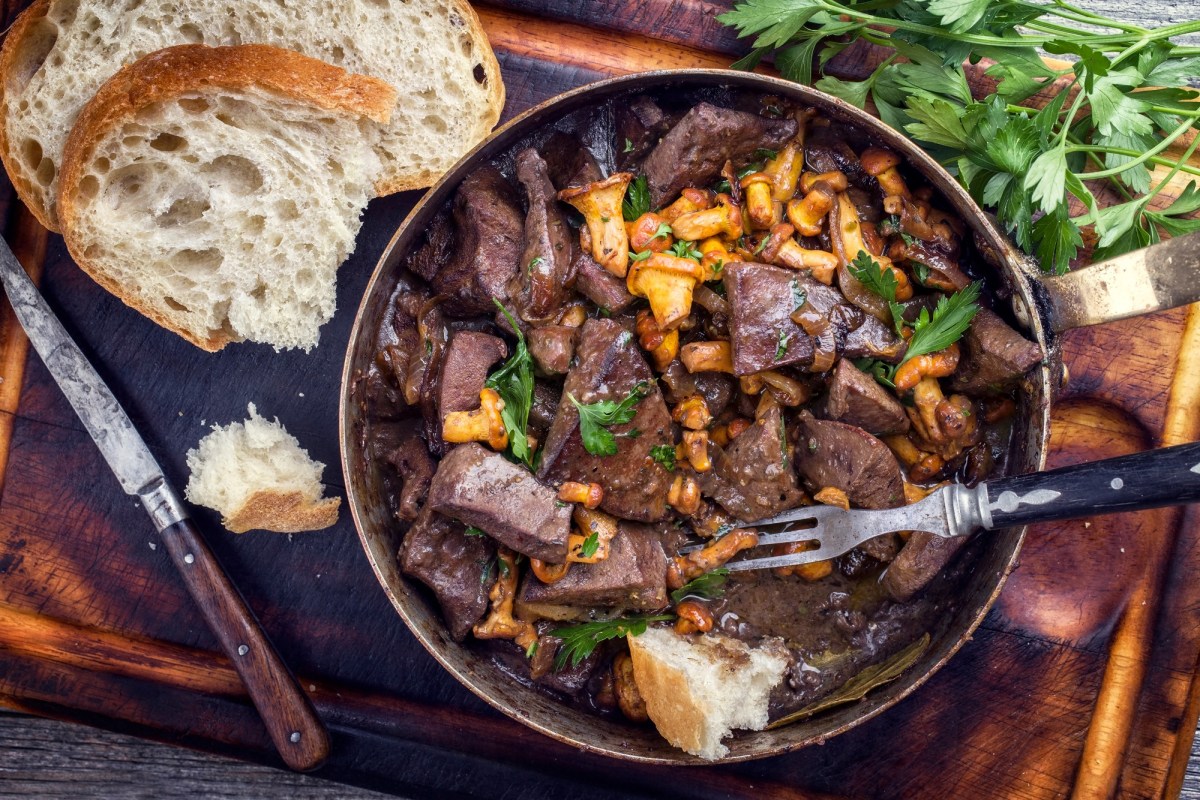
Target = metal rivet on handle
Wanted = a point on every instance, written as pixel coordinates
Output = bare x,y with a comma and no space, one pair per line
1117,483
189,558
295,737
242,649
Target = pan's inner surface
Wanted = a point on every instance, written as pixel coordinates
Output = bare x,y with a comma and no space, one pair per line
982,566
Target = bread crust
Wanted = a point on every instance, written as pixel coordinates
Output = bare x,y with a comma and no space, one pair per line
14,40
38,201
283,512
679,716
174,71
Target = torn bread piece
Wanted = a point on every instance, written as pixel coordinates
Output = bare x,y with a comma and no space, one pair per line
217,189
259,478
698,689
435,52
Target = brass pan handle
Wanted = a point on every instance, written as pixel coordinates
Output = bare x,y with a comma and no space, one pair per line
1155,278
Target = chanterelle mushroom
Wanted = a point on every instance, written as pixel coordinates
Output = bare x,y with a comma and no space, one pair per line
667,282
600,204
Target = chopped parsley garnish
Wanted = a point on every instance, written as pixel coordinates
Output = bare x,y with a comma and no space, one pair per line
473,531
662,232
590,545
799,296
641,255
531,651
782,345
637,199
628,147
685,249
664,454
513,381
868,272
883,373
708,586
921,273
595,419
580,641
534,263
949,322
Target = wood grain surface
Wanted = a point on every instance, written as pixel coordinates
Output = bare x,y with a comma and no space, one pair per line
1082,679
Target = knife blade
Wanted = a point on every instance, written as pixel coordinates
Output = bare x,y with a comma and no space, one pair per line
289,716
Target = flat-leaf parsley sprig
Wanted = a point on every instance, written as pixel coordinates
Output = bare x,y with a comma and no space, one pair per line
1107,121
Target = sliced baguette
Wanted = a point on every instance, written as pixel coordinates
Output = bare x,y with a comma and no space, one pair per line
435,52
256,474
217,190
698,689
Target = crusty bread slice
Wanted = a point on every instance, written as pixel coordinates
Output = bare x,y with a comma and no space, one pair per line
699,688
59,52
217,190
256,474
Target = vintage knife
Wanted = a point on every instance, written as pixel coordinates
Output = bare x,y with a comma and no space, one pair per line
297,732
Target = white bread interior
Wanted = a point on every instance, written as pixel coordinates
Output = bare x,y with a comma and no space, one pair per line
259,478
217,190
435,52
698,689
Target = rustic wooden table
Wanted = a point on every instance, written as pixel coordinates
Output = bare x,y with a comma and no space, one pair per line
54,759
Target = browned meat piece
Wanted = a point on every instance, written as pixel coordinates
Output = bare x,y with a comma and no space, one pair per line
919,561
856,398
400,445
608,367
716,388
633,575
599,285
438,552
761,301
484,489
465,367
569,163
473,260
640,123
552,348
858,334
994,356
543,409
874,339
752,478
825,150
848,458
694,150
540,286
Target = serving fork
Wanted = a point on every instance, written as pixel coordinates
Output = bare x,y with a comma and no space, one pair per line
1164,477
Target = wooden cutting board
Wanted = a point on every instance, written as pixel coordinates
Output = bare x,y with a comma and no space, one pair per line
1082,679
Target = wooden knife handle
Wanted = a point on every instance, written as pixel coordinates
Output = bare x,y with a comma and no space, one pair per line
291,720
1167,476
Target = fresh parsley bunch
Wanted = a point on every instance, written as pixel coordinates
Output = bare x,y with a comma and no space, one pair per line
1114,115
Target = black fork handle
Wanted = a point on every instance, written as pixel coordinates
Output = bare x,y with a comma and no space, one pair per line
1164,477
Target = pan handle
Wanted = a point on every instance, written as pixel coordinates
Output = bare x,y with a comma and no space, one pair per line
1155,278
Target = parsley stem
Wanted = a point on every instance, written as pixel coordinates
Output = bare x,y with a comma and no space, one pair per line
1153,151
1121,151
1183,159
1068,11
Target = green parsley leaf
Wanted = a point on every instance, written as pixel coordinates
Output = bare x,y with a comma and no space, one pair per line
637,199
709,586
880,281
882,372
949,322
799,296
473,531
662,231
920,272
641,255
489,570
595,419
531,651
590,545
781,345
579,641
534,263
685,249
628,147
664,454
513,381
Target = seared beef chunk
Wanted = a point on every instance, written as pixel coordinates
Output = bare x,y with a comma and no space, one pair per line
400,444
994,356
752,478
599,285
608,367
856,398
552,348
716,388
484,247
540,286
694,150
761,301
432,257
919,561
465,368
541,413
484,489
634,575
571,679
382,394
858,335
640,123
848,458
826,150
438,552
568,162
